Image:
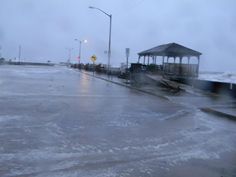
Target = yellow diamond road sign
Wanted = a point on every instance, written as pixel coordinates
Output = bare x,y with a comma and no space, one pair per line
93,58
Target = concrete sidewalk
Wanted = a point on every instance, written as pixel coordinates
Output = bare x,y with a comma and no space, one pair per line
199,99
123,82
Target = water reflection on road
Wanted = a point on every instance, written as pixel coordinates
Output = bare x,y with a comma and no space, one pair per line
55,121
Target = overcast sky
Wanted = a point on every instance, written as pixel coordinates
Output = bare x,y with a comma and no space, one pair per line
45,28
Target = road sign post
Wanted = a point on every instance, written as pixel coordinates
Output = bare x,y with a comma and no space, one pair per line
93,59
127,51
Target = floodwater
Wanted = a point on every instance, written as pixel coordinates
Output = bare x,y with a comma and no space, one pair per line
55,121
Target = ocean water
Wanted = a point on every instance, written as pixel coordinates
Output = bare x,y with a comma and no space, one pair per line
227,77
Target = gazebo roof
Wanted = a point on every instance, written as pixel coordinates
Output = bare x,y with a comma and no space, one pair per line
170,50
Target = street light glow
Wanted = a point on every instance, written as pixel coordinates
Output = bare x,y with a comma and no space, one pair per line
84,41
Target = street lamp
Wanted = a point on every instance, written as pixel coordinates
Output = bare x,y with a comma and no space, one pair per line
109,44
80,45
69,55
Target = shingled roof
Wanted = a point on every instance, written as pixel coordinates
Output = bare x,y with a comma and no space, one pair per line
170,50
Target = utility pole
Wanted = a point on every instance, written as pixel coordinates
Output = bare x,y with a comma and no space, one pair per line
0,51
127,51
19,53
69,55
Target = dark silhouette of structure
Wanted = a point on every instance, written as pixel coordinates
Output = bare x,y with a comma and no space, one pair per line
177,60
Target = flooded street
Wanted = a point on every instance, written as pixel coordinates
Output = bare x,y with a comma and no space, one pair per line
55,121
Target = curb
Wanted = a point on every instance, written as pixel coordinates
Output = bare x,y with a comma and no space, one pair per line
219,113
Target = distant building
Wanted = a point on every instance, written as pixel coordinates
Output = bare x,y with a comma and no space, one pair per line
177,60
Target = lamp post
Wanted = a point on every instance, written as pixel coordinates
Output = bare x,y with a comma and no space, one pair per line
80,46
19,53
69,55
109,43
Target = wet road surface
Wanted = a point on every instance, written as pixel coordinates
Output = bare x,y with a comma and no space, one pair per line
55,121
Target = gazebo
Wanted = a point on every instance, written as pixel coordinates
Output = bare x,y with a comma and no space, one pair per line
177,60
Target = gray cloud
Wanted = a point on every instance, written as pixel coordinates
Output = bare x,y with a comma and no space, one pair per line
46,28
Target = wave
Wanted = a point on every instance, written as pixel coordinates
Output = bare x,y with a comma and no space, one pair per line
227,77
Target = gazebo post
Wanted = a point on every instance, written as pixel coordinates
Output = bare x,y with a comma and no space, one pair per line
148,59
144,60
189,65
168,65
198,59
155,58
163,60
139,58
180,66
174,65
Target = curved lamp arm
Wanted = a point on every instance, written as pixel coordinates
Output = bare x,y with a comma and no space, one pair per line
91,7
